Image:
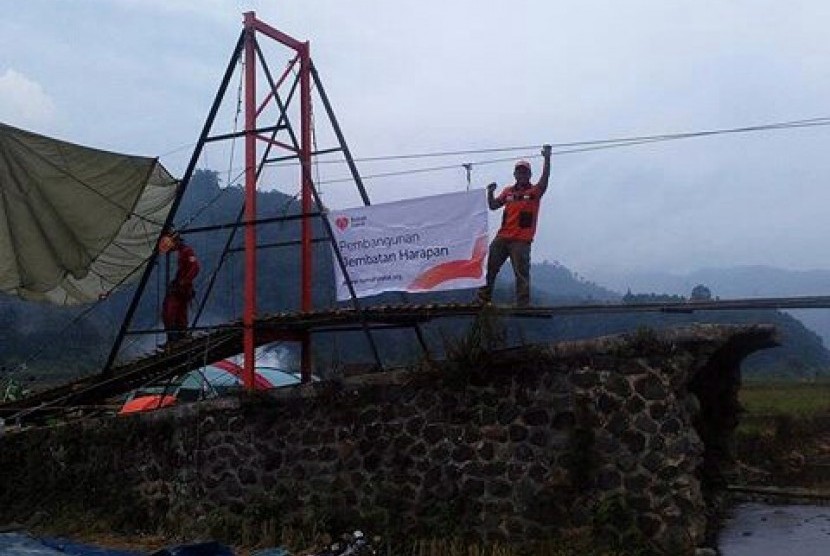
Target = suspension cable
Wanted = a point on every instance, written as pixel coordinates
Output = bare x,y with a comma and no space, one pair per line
236,117
560,148
637,139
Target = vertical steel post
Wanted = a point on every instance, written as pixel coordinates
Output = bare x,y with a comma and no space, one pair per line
249,311
307,200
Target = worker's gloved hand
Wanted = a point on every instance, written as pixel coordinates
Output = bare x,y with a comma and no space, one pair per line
546,150
491,187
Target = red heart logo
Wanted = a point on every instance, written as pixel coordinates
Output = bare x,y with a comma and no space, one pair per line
342,223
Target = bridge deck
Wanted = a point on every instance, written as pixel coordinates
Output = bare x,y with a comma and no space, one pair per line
225,341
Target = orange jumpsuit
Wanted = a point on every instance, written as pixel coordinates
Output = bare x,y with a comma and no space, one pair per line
179,293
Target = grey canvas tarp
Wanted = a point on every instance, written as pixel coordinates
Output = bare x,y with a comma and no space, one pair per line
75,222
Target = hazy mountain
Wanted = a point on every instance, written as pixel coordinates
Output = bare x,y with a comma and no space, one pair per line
740,281
733,282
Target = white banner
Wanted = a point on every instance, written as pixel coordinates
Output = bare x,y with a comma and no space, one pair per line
418,245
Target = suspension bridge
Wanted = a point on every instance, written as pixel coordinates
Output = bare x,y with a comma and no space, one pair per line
89,394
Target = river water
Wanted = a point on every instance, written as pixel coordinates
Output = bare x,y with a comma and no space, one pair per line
756,529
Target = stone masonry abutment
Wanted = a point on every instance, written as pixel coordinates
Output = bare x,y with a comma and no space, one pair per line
621,434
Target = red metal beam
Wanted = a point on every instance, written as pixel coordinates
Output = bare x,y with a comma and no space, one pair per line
264,103
307,196
288,69
249,311
277,85
252,26
278,36
276,143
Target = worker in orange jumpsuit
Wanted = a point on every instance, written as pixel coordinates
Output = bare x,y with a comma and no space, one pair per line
521,203
180,290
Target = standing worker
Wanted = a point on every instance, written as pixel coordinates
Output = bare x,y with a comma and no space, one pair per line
518,226
180,290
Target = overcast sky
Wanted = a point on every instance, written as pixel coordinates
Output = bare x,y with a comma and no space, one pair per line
138,76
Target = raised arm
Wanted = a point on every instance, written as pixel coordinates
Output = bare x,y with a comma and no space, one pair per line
492,201
543,179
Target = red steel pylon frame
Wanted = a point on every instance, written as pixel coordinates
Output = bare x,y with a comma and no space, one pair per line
299,148
302,60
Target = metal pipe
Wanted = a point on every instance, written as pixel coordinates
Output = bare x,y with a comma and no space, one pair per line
249,311
293,156
278,244
355,303
340,138
234,135
239,224
307,188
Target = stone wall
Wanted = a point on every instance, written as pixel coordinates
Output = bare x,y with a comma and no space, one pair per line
511,446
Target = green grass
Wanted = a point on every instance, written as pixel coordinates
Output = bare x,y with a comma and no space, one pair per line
798,399
784,421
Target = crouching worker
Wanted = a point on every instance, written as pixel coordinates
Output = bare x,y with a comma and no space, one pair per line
518,226
180,290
